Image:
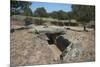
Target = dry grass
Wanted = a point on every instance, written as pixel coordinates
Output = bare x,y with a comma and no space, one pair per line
29,49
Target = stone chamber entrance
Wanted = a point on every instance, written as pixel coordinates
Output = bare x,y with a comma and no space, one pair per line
57,43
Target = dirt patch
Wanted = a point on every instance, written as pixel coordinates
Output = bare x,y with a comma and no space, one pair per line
32,49
28,49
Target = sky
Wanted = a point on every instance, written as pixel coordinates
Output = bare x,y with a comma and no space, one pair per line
51,6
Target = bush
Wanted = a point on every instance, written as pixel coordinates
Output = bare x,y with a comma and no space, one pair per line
39,21
28,21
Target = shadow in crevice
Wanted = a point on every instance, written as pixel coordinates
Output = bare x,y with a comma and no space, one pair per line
51,38
58,40
62,43
76,30
50,42
22,28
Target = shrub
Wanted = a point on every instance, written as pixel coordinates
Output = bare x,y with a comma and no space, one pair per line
28,21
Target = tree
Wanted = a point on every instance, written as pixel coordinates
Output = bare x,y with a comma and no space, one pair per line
61,15
53,14
24,6
17,6
70,16
84,13
40,12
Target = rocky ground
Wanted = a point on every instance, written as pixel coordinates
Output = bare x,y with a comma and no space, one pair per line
31,49
85,41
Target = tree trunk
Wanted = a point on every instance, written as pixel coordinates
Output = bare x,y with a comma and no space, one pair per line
69,23
85,28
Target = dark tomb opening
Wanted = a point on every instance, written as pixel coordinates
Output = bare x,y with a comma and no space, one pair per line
58,40
62,43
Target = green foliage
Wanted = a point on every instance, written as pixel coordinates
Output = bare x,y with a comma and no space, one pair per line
27,12
39,22
16,6
22,4
84,13
40,12
53,14
59,15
